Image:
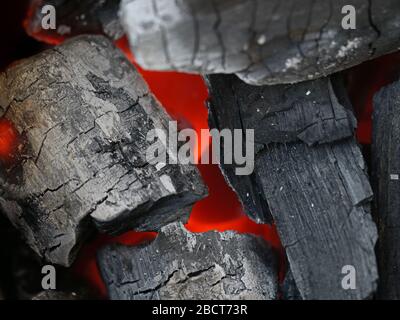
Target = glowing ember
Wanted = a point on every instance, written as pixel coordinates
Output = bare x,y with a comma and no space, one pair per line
8,140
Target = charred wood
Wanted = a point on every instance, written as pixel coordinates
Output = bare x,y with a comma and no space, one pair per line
184,265
314,112
310,172
83,113
263,42
385,175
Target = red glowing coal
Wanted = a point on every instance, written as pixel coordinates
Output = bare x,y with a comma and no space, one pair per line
8,140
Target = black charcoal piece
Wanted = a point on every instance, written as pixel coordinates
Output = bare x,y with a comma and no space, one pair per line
386,183
314,112
309,175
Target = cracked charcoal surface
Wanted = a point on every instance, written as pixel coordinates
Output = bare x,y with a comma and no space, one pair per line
84,113
386,169
319,198
314,112
184,265
262,41
76,17
314,185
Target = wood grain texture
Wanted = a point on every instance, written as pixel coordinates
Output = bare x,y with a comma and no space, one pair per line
386,183
262,41
84,113
184,265
314,185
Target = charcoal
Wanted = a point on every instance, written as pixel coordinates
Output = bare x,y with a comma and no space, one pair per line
320,200
386,184
183,265
316,189
263,42
83,113
75,17
314,112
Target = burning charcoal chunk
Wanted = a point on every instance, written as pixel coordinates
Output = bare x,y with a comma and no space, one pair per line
83,113
386,182
313,184
264,42
314,112
75,17
184,265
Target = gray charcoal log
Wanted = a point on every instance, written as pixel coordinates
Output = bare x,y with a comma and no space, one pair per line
183,265
316,189
263,42
76,17
314,112
386,183
84,112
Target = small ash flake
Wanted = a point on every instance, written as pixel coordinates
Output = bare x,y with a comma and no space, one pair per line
394,177
262,39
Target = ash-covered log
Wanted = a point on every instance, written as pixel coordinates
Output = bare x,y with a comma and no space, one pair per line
263,42
74,17
386,182
311,174
184,265
83,113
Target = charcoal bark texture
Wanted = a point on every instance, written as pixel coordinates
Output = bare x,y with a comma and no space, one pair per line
314,112
262,41
75,17
84,112
316,189
319,198
184,265
386,183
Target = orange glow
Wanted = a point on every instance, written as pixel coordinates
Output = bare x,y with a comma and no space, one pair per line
8,140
